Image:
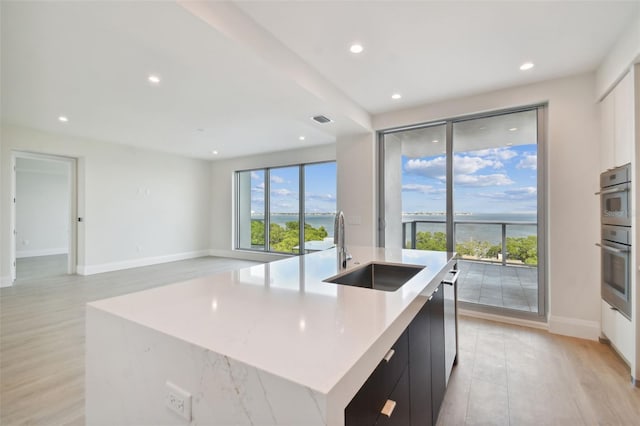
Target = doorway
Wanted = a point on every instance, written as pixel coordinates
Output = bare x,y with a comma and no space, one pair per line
474,185
43,216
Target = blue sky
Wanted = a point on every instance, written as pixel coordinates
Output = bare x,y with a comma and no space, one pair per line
498,180
320,189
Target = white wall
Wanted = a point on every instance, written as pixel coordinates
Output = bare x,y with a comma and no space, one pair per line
625,52
42,207
357,188
222,189
572,176
139,207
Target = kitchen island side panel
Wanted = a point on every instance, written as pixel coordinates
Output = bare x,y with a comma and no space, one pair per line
129,365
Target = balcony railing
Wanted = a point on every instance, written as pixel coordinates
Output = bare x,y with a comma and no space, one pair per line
411,229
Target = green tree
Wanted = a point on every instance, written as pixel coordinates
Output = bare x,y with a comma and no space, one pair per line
257,233
285,239
494,251
524,249
474,248
431,241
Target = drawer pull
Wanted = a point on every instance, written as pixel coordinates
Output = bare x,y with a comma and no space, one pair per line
388,408
389,355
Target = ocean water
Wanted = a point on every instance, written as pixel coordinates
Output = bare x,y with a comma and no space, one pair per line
464,232
478,232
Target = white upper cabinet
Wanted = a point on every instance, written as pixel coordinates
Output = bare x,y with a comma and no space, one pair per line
616,119
607,134
623,120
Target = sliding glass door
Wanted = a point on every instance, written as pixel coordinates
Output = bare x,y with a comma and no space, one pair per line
471,185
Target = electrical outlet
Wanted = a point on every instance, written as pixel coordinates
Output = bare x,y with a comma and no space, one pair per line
178,400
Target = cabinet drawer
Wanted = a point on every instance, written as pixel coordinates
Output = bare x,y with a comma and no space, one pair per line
400,414
398,358
365,406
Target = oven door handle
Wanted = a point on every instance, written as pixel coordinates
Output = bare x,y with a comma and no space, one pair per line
613,249
612,191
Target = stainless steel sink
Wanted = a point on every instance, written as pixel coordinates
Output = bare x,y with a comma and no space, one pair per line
378,276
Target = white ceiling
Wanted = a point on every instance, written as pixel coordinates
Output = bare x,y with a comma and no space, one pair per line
432,50
251,74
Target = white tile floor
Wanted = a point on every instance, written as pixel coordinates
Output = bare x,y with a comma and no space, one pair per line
513,287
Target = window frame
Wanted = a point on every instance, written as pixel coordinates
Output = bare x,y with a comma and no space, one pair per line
267,205
542,203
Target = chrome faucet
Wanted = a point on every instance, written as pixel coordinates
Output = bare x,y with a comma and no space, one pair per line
339,240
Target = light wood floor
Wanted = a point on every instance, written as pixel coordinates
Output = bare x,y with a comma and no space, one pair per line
42,335
505,375
510,375
30,268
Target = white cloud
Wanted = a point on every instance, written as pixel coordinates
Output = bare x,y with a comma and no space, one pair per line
462,164
496,153
276,179
425,189
321,197
524,193
498,179
464,167
282,192
434,168
530,161
255,176
467,164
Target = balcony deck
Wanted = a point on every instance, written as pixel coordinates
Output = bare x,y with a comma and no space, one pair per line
510,286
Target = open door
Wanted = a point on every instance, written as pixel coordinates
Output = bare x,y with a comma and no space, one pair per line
12,251
43,184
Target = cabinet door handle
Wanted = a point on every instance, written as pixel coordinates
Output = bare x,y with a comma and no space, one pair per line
389,355
452,281
388,408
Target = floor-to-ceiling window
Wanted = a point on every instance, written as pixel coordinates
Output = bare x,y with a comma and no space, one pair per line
471,184
274,204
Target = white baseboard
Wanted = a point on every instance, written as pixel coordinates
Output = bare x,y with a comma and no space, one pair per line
574,327
136,263
42,252
503,319
248,255
6,281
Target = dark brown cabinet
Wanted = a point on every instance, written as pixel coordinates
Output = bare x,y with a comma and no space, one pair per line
400,413
438,374
366,406
420,361
413,376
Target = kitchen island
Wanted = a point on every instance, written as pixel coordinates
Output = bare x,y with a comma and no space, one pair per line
272,344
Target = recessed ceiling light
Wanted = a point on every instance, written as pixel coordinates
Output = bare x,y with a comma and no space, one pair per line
513,129
214,152
396,96
356,48
154,79
526,66
509,143
435,141
301,138
63,119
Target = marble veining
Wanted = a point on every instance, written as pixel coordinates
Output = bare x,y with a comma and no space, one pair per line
271,344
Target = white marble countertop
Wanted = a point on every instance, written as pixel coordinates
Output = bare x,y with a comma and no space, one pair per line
281,317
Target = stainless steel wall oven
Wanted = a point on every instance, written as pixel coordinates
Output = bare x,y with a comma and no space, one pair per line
615,196
615,243
616,260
